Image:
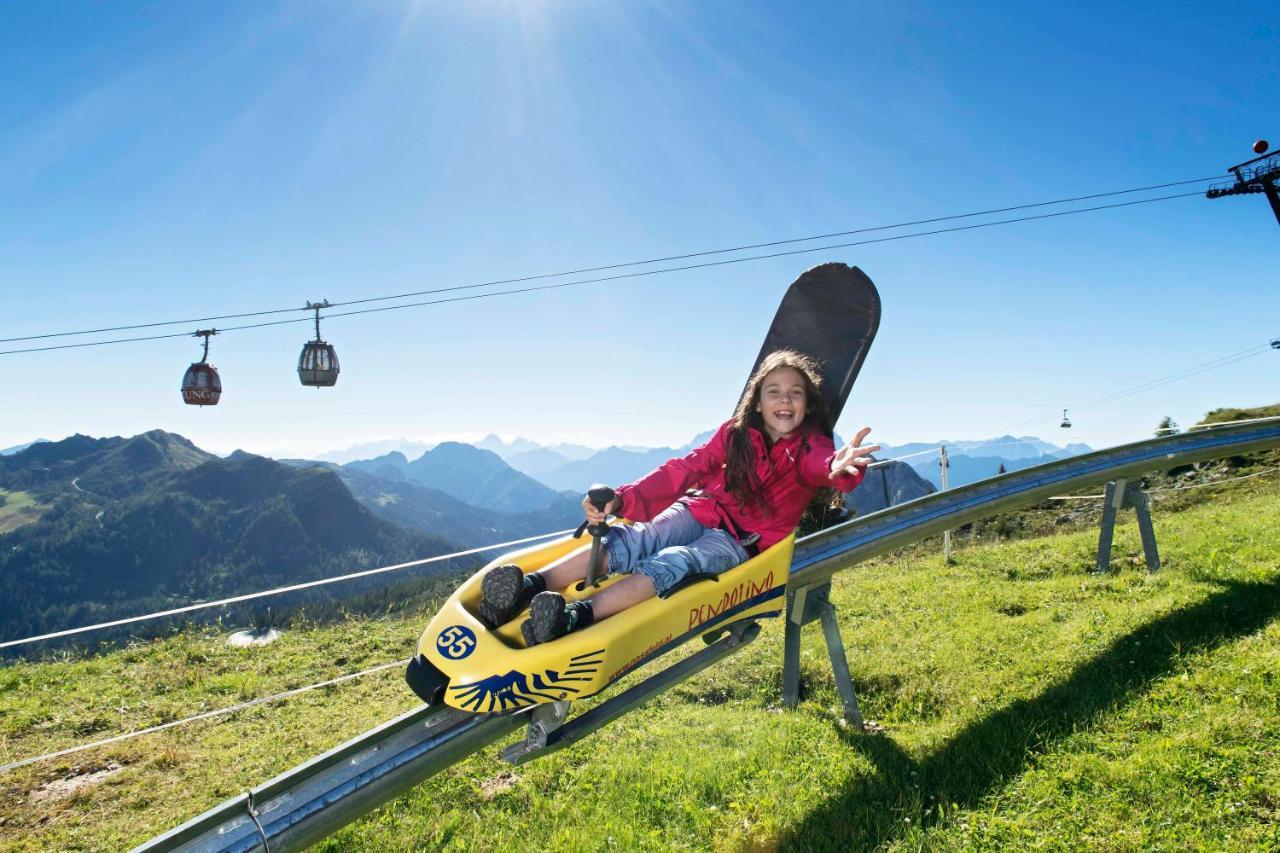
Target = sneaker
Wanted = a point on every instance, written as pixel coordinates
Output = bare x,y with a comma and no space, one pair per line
547,617
526,630
504,595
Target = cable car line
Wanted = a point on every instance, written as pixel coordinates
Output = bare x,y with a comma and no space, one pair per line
622,276
1222,362
151,337
151,325
769,256
768,245
608,267
1185,373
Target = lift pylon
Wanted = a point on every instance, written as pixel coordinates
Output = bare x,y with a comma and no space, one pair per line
1258,175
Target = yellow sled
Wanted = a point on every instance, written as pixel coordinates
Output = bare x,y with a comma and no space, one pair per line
832,313
463,664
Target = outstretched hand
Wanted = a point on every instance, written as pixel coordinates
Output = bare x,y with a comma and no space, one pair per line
853,457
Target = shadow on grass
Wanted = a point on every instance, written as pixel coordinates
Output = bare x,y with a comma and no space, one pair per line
868,812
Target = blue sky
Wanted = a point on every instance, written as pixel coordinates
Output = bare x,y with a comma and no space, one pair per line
165,161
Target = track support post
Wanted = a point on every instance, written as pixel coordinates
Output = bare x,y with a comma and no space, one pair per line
1121,494
544,721
805,605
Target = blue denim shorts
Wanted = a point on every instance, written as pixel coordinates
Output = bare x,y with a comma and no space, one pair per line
670,548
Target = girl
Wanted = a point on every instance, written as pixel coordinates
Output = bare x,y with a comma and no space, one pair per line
753,480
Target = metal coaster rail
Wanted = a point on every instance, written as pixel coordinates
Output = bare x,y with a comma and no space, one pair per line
822,554
307,803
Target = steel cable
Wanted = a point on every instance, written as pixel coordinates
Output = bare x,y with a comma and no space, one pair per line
606,267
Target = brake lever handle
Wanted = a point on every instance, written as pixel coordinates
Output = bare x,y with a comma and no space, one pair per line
599,495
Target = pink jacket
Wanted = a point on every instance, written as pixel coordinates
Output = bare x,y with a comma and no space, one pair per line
788,472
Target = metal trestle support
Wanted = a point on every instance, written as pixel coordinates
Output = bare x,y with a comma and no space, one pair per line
804,605
1121,494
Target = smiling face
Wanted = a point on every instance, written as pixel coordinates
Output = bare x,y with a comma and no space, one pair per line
782,402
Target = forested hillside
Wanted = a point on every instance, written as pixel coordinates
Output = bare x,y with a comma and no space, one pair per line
149,522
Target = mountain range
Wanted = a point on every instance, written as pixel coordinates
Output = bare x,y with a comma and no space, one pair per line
970,461
574,468
96,528
1009,447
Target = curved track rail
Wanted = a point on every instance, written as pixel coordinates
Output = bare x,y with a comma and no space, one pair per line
821,555
305,804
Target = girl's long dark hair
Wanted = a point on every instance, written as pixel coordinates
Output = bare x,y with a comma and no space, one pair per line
740,469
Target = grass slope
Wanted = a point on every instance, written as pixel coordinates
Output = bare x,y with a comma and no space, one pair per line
18,509
1027,704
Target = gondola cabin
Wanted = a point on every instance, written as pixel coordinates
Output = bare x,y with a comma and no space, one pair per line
201,385
318,365
318,362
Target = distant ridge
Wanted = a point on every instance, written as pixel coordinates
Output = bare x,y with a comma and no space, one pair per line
537,462
505,449
372,449
613,466
18,448
392,466
479,477
552,467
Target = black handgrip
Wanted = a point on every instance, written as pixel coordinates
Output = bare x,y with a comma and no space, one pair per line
600,495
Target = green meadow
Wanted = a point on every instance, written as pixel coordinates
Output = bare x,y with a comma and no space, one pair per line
1024,703
17,509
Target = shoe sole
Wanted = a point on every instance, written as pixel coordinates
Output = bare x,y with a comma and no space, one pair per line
500,599
546,615
502,587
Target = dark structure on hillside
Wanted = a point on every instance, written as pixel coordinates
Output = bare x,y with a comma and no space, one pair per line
887,485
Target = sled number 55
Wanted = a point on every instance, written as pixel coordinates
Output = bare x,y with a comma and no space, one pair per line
456,641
